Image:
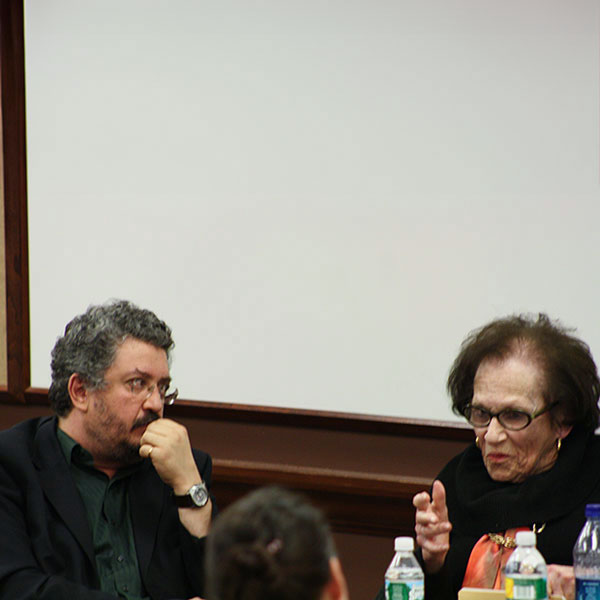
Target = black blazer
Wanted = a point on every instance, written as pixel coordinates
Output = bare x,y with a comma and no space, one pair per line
46,548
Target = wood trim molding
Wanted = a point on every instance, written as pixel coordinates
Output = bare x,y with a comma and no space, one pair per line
12,72
381,485
297,418
375,504
314,419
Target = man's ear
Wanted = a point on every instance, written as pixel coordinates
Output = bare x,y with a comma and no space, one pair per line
336,588
78,392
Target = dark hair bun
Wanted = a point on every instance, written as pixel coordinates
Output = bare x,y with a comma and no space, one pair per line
253,560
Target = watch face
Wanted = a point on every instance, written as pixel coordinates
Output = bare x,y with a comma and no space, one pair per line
199,494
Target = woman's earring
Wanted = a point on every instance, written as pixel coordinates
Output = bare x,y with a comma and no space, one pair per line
477,441
558,444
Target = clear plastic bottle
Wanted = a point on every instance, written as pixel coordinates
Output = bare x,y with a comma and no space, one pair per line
586,556
404,578
526,572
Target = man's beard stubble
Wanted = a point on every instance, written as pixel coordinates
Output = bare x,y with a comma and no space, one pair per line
119,451
126,453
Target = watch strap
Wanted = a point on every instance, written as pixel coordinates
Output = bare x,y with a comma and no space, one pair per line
187,500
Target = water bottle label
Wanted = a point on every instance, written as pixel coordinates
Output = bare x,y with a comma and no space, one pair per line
526,588
587,589
405,590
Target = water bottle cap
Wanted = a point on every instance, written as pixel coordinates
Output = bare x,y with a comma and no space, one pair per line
404,544
592,510
525,538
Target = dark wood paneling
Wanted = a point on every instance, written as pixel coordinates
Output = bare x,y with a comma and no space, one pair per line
365,559
12,70
335,421
361,503
364,481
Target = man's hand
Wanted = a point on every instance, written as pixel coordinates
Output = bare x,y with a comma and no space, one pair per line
432,526
167,444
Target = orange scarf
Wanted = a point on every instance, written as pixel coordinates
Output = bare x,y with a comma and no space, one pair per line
487,561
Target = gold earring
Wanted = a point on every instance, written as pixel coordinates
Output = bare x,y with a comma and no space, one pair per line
558,444
477,441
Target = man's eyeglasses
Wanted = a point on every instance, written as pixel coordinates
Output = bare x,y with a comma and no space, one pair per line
142,390
509,418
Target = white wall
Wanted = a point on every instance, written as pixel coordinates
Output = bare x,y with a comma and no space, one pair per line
321,198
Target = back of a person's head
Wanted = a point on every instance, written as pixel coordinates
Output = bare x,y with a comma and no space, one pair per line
270,545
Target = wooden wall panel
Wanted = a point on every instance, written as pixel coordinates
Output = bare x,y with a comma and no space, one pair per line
3,336
364,480
14,185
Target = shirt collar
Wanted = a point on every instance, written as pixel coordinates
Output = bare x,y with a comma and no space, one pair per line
74,452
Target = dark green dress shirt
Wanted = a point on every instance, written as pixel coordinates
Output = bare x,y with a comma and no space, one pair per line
107,505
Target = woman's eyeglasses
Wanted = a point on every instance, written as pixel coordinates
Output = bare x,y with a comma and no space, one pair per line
509,418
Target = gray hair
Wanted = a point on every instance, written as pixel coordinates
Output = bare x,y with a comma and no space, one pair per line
90,342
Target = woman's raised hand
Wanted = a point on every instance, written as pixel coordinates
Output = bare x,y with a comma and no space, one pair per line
432,526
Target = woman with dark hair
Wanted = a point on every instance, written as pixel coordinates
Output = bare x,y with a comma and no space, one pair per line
529,389
272,545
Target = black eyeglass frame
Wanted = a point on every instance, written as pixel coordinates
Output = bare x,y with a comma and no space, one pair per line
498,415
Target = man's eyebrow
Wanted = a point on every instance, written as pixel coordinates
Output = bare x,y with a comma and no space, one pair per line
139,373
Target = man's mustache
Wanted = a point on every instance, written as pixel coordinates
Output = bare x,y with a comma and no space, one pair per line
145,420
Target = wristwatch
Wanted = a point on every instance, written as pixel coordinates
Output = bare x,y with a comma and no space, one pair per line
196,497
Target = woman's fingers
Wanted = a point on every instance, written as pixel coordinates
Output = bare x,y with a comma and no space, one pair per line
438,495
421,501
561,581
432,526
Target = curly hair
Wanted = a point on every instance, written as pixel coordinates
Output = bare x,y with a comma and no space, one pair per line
571,377
90,342
270,545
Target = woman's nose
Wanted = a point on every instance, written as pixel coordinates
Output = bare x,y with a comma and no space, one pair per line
495,432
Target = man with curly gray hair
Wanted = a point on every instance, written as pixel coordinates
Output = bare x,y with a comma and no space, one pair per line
107,499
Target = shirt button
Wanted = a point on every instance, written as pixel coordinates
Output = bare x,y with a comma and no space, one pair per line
121,558
125,588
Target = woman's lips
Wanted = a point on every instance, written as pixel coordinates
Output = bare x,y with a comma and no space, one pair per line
496,457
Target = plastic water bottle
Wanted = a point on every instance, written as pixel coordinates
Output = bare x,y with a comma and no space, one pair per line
404,578
526,572
586,556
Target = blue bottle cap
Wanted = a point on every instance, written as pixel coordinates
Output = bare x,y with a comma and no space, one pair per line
592,510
